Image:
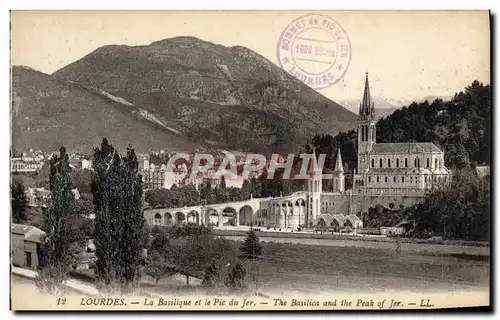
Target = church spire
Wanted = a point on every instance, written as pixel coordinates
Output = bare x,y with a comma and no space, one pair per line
313,164
366,108
338,163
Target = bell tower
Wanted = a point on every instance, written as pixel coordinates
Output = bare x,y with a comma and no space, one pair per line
366,128
338,174
314,188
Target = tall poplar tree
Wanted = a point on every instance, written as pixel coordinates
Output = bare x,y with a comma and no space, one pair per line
132,242
59,248
119,220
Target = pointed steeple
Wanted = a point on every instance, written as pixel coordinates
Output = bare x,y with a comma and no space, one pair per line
313,164
338,163
367,108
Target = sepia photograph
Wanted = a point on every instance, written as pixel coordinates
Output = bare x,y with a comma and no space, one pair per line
250,160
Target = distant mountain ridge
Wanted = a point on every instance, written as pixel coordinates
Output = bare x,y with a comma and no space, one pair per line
47,114
385,106
198,94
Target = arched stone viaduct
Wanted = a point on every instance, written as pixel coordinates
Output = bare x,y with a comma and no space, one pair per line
282,212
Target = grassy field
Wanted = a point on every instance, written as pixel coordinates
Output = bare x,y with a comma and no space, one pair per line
306,269
285,268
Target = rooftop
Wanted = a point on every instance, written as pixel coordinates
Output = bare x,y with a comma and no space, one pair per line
30,233
407,147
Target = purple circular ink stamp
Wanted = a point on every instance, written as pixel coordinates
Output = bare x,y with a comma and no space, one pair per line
315,49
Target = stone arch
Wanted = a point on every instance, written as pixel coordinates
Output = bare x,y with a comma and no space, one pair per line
158,219
193,217
229,216
335,225
348,224
245,216
212,217
180,217
321,222
169,220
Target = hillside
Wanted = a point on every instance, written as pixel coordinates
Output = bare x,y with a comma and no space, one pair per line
216,96
47,113
386,106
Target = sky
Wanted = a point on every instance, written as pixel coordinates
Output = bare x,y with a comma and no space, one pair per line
409,55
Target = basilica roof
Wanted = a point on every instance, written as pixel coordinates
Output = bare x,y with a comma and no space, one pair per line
389,170
407,147
394,171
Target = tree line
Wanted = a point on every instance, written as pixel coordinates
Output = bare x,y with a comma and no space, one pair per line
460,210
256,187
126,248
118,229
192,251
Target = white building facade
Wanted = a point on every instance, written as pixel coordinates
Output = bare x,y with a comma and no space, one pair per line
398,168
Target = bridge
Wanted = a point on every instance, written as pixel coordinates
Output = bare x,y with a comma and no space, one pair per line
280,211
290,211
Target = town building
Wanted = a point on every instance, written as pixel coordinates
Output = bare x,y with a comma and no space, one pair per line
80,163
40,197
24,243
25,165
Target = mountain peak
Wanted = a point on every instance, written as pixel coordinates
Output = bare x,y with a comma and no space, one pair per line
180,40
217,96
26,68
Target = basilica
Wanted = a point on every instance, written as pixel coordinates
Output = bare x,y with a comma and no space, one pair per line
393,167
387,174
393,175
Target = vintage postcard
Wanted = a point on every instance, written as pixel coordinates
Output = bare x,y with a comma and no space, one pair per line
250,160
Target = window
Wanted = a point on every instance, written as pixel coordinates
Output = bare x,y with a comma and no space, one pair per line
385,179
402,179
406,162
435,163
380,163
28,259
425,179
411,180
428,163
394,179
397,163
369,179
388,163
373,163
378,179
